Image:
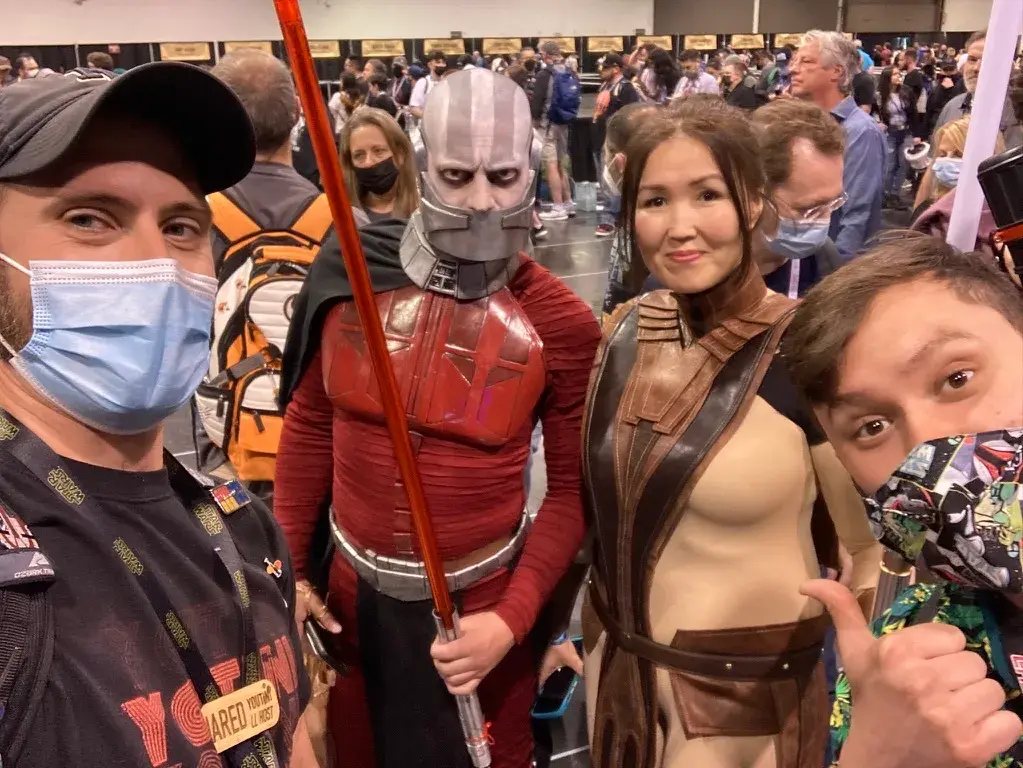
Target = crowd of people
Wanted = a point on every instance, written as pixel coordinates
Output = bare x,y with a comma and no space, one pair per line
772,402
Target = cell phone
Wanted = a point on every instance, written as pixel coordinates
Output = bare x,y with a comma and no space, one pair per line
320,644
555,696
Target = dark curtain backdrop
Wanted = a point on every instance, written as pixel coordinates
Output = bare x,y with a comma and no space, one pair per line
588,60
131,55
326,69
59,58
581,149
419,52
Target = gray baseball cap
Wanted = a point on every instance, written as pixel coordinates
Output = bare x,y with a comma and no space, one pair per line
42,118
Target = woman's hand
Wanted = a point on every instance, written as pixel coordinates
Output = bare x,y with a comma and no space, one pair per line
311,605
558,656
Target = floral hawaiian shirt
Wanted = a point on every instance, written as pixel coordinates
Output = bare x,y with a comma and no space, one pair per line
958,607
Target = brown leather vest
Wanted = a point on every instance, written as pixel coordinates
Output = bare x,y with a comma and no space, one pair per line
470,371
663,400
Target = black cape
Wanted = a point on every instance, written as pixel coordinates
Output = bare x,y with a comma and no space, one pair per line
327,284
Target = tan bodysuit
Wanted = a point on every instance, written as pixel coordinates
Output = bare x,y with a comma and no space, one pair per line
703,471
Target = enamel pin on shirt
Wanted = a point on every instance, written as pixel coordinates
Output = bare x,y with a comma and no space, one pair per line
21,561
231,496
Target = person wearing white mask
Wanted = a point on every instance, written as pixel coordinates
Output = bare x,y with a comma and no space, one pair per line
942,176
802,149
26,67
147,617
937,195
616,92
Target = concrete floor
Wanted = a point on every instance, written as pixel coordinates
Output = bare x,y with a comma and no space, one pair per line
577,257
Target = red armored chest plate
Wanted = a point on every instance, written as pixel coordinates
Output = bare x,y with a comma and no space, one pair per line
470,371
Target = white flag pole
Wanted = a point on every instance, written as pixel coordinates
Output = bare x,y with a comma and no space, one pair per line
988,103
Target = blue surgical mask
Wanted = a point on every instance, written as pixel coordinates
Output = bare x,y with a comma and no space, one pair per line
799,239
119,346
947,170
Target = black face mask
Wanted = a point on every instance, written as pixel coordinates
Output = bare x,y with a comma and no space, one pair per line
378,179
438,71
397,71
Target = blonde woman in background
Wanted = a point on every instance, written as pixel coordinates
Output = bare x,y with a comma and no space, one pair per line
378,166
943,174
936,198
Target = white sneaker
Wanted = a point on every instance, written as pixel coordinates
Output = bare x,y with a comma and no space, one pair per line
557,213
570,209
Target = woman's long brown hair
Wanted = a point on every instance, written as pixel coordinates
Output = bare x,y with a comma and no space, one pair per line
727,132
406,198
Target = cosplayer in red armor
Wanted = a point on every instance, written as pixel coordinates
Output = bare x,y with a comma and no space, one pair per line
484,342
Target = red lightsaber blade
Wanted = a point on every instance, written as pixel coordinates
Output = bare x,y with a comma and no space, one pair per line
297,44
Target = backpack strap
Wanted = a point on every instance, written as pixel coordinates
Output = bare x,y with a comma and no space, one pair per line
315,221
230,220
26,632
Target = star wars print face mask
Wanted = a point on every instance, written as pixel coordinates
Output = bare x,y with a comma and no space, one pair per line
955,504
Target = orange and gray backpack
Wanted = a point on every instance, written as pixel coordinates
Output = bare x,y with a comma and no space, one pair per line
260,278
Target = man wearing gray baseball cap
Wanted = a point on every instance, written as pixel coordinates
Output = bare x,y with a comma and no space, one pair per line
146,615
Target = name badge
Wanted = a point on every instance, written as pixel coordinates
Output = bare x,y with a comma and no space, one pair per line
242,715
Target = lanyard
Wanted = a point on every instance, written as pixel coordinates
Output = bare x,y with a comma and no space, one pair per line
794,278
32,453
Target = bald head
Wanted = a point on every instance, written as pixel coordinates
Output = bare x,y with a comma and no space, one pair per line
478,133
264,85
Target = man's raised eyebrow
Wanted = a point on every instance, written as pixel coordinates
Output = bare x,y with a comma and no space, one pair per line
853,400
198,208
933,345
64,200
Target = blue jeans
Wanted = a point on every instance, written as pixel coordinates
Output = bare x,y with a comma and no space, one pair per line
897,165
611,211
611,200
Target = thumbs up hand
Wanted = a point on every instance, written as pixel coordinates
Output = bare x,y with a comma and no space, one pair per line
919,697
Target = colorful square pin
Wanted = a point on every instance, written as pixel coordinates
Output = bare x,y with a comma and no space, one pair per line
231,496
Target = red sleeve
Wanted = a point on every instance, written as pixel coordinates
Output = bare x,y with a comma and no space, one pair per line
305,463
570,336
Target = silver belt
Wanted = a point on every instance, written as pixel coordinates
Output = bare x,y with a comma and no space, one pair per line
406,580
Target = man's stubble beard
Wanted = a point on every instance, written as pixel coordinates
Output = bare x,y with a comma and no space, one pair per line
15,318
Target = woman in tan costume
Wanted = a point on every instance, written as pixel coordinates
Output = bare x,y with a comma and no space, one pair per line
708,480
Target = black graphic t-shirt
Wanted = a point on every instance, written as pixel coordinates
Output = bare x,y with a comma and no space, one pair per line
118,695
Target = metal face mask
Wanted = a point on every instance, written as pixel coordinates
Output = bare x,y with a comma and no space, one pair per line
478,188
955,504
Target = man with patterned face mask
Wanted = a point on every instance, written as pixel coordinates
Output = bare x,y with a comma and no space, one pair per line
484,343
140,624
912,357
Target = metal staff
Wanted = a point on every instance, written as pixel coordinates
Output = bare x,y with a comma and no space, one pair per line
297,43
895,576
1004,27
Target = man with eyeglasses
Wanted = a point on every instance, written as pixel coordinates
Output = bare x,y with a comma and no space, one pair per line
802,149
822,73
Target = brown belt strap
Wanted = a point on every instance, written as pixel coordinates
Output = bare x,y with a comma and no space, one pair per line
785,666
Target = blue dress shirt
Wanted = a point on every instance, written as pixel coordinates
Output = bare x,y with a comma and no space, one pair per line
863,179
